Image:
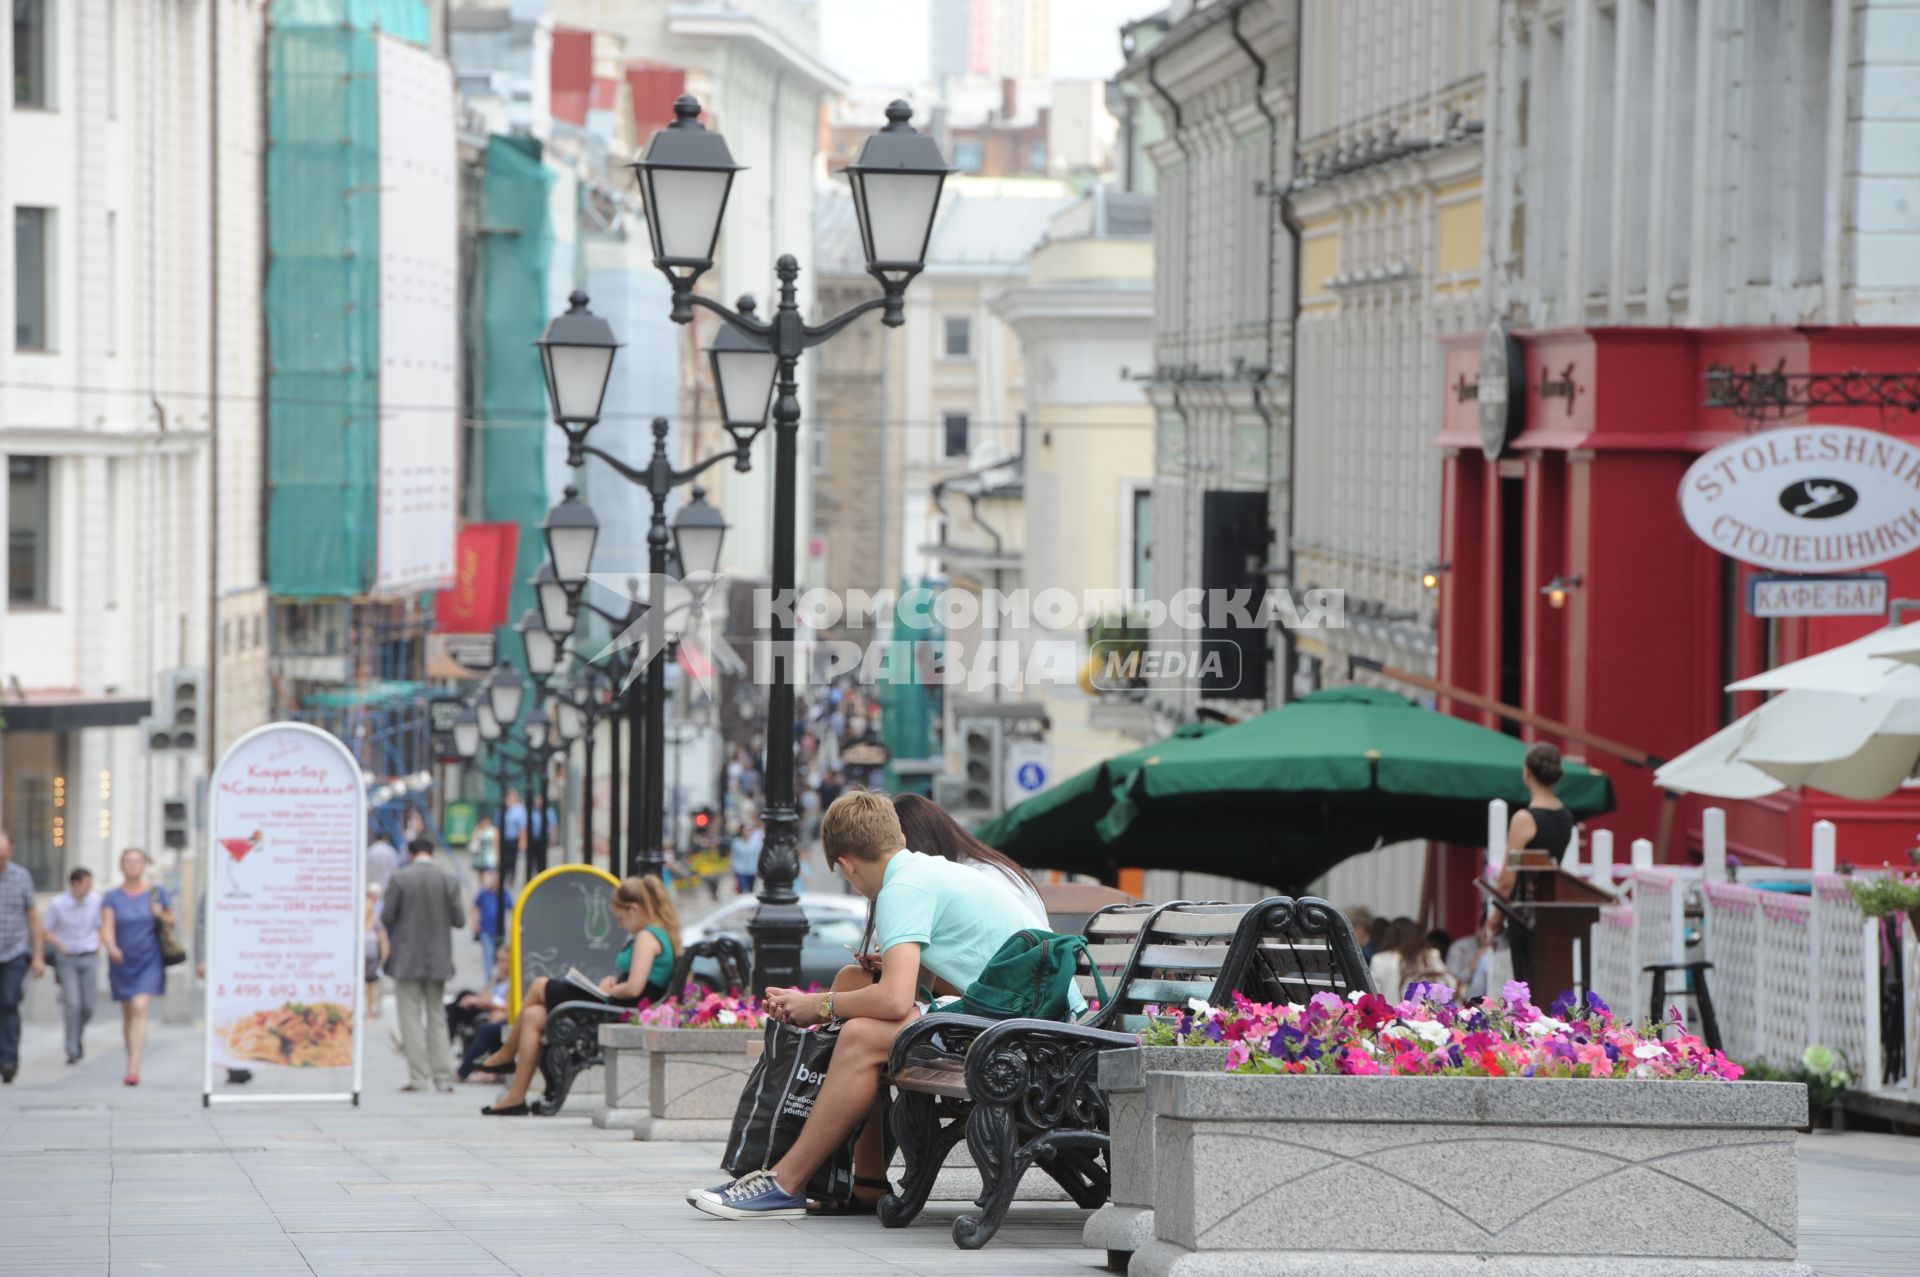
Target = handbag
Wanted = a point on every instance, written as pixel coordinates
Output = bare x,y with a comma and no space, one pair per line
171,952
1030,977
778,1098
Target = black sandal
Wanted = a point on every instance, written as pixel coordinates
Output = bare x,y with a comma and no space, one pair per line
852,1206
509,1110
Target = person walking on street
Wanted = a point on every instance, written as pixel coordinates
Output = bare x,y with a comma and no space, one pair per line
23,950
382,860
513,836
539,835
73,929
421,913
485,843
130,934
488,900
747,845
374,957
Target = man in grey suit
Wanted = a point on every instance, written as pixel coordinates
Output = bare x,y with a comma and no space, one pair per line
421,913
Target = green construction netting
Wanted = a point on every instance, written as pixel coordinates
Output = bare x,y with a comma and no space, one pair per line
909,709
323,288
515,248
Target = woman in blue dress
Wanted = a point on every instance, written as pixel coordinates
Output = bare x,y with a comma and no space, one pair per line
135,971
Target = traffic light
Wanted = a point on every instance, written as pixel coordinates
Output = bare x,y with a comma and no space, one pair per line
705,826
175,722
174,829
980,765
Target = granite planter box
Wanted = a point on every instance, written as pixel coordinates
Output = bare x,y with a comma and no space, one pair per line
1125,1223
1273,1176
623,1054
694,1080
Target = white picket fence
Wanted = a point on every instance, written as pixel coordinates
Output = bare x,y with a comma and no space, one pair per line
1789,971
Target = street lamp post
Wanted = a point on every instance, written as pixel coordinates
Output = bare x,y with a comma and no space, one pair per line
684,179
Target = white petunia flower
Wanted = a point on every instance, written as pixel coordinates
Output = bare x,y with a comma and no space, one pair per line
1649,1051
727,1017
1432,1032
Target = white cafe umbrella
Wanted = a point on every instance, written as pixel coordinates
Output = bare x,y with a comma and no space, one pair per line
1853,746
1885,663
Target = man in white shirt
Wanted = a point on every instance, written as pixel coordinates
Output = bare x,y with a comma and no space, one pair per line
73,929
382,860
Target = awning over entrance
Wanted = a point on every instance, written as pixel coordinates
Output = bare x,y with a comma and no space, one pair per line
58,713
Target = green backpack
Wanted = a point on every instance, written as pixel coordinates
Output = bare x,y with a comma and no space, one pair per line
1030,977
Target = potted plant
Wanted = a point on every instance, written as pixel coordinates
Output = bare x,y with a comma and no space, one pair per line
699,1052
1493,1137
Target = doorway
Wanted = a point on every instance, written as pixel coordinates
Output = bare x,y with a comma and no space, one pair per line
1514,595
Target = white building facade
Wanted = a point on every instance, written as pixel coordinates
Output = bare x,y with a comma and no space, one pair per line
129,413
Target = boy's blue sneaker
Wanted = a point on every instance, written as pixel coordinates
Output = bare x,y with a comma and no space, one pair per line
757,1195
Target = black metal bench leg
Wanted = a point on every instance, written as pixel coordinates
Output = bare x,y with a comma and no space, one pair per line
924,1144
1002,1163
1709,1024
1656,1012
557,1072
1082,1175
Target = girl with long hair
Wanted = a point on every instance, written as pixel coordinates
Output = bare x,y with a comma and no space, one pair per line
931,831
644,909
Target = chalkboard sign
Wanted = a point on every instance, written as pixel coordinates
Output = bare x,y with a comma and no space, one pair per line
564,919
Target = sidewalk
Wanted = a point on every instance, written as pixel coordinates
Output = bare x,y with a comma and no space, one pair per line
99,1178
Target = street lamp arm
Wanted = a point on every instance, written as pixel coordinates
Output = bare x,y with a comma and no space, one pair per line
751,327
634,613
890,301
698,468
642,476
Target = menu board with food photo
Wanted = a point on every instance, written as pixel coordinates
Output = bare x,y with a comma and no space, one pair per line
284,904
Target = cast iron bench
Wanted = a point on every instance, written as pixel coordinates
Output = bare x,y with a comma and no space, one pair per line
1024,1092
573,1030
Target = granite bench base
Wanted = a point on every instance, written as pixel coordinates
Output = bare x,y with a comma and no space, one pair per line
694,1080
1275,1176
1125,1223
624,1093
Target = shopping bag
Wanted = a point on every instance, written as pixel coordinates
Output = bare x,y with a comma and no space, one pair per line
779,1096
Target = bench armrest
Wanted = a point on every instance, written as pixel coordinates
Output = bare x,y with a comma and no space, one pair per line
1049,1070
955,1034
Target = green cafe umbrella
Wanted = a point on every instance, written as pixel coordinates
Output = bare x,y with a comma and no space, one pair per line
1284,796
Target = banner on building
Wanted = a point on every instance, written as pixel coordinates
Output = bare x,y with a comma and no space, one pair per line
476,602
285,914
419,320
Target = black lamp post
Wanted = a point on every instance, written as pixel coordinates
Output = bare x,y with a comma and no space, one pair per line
684,179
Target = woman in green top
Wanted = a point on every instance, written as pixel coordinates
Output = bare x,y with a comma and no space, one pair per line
645,912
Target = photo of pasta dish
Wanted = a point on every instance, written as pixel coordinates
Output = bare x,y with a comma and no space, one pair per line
303,1035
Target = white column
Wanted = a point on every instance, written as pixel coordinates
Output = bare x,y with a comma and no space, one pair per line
1642,854
1496,837
1713,837
1602,870
1823,846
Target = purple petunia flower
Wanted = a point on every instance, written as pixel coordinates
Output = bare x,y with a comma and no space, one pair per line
1594,1004
1562,1008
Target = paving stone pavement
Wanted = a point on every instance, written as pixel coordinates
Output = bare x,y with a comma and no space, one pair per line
99,1178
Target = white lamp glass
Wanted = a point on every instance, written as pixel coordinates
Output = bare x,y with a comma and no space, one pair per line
489,725
543,650
897,214
745,380
688,204
579,375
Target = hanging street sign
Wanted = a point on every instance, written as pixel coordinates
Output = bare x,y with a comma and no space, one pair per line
1807,499
1502,392
1862,594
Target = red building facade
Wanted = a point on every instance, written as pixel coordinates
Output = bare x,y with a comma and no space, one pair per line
1652,623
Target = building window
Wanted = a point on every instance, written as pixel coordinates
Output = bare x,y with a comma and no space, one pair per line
1143,541
967,157
954,425
1037,157
29,520
32,278
817,446
957,337
32,54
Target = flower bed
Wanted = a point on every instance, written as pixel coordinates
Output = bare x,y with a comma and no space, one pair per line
1428,1034
1432,1138
706,1011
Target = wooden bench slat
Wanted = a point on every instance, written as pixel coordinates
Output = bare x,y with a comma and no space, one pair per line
1214,922
1196,956
932,1079
1164,991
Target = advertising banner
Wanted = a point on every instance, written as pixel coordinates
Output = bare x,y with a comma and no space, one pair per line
419,319
285,911
476,603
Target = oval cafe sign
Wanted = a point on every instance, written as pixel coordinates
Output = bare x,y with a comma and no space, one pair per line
1807,498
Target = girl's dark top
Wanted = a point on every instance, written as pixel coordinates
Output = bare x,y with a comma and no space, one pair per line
1552,829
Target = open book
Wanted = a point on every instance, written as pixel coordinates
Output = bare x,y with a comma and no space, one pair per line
582,982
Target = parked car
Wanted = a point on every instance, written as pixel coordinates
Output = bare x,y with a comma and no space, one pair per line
835,924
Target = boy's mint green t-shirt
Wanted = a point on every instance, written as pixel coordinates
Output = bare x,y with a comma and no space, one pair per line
958,916
955,914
